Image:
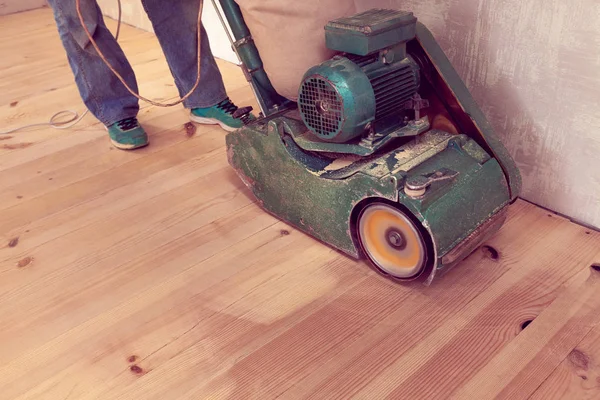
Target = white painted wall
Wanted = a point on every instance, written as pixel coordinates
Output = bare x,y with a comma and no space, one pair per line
13,6
534,68
133,14
219,42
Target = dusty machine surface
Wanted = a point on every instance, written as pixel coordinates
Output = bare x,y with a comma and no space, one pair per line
385,155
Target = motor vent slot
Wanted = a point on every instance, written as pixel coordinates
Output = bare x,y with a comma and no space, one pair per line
393,89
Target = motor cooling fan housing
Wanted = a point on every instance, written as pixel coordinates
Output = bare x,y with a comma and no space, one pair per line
366,86
336,100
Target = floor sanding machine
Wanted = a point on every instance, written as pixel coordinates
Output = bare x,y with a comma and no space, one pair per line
385,155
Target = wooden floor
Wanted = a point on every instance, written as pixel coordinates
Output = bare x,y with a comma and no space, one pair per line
154,275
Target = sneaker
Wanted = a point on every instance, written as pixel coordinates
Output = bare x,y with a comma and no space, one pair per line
127,134
226,114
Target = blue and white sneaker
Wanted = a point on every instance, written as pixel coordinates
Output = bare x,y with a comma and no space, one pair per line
127,134
226,114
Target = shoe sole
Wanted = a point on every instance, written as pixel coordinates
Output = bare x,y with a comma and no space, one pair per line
211,121
122,146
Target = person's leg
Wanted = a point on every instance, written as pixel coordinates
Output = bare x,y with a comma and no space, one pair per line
175,25
101,91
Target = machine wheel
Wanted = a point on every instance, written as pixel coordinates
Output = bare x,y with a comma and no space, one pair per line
392,241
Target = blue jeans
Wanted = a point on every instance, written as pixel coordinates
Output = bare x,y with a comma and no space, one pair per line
174,24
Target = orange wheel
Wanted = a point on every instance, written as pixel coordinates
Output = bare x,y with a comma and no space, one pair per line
442,123
392,241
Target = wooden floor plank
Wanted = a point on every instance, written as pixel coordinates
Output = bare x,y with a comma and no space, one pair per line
578,375
155,275
532,356
402,361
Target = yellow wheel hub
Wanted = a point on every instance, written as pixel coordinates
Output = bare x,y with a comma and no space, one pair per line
391,241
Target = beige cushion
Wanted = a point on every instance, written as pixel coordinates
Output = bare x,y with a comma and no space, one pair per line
290,36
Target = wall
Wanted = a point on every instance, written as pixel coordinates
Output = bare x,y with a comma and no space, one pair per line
132,13
534,68
13,6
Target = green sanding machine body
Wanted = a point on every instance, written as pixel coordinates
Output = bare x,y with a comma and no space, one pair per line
386,121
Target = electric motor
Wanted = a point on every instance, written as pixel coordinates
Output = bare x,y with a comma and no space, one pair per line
368,83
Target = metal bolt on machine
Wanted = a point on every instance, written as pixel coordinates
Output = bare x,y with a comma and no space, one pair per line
385,155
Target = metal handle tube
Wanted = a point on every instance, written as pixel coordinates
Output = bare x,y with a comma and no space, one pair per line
268,98
261,103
